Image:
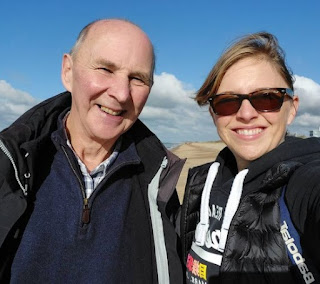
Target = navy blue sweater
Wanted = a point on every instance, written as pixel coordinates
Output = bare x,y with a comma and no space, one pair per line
58,248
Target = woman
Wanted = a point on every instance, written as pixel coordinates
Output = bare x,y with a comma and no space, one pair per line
233,229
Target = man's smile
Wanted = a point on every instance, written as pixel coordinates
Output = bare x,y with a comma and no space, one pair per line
110,111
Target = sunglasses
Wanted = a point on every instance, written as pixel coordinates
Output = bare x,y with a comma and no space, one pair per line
266,100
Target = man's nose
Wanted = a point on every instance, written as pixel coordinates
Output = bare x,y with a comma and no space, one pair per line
120,88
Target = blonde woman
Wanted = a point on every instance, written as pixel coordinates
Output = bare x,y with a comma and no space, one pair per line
233,229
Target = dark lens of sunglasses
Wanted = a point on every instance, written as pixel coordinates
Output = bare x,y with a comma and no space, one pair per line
267,100
226,104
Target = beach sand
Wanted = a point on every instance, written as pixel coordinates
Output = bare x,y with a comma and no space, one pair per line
197,153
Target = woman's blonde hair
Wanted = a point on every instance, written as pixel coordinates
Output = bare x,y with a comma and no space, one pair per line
262,45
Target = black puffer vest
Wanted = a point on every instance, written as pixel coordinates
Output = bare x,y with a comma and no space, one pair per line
255,251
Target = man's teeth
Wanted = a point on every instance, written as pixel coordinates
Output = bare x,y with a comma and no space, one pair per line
109,111
249,131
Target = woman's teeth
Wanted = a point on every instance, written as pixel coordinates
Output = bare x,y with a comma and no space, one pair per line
249,131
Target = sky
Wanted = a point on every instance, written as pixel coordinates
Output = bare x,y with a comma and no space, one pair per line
188,37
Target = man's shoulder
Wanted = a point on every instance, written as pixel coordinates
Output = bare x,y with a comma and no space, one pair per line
51,107
147,143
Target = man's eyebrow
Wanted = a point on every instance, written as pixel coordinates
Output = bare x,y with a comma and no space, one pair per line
107,63
141,75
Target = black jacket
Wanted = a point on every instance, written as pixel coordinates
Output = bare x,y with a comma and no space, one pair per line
255,251
26,153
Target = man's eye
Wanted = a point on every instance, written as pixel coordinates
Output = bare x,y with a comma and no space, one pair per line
105,69
137,81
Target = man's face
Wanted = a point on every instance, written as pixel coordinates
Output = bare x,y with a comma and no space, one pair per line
109,79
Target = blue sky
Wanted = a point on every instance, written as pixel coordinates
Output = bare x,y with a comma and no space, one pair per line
188,37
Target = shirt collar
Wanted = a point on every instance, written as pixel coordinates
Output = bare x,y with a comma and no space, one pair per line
103,166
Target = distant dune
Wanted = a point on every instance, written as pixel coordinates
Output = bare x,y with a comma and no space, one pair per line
197,153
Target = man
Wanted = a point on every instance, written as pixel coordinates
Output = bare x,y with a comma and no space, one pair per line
87,193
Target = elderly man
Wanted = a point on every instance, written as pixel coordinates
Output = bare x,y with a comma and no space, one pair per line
87,192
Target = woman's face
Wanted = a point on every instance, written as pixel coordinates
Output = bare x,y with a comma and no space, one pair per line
249,134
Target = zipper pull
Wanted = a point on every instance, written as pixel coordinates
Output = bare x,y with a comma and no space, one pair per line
85,212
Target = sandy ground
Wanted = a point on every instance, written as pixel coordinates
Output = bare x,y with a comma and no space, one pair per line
197,153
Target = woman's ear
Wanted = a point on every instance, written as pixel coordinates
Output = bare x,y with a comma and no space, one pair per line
293,109
212,115
66,71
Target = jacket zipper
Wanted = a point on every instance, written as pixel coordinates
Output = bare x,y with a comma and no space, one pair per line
85,209
8,154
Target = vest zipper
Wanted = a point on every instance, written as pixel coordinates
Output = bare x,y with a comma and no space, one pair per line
85,209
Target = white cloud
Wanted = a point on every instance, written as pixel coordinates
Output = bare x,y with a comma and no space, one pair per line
173,115
7,92
308,120
13,103
308,117
168,91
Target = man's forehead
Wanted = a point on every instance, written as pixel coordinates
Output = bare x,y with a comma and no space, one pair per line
117,41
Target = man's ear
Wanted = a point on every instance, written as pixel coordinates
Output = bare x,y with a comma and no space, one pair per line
66,71
293,109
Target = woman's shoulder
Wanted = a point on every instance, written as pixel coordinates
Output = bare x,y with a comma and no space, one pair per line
309,170
198,174
303,192
306,178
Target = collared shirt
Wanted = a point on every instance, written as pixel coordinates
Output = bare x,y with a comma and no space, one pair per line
93,178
